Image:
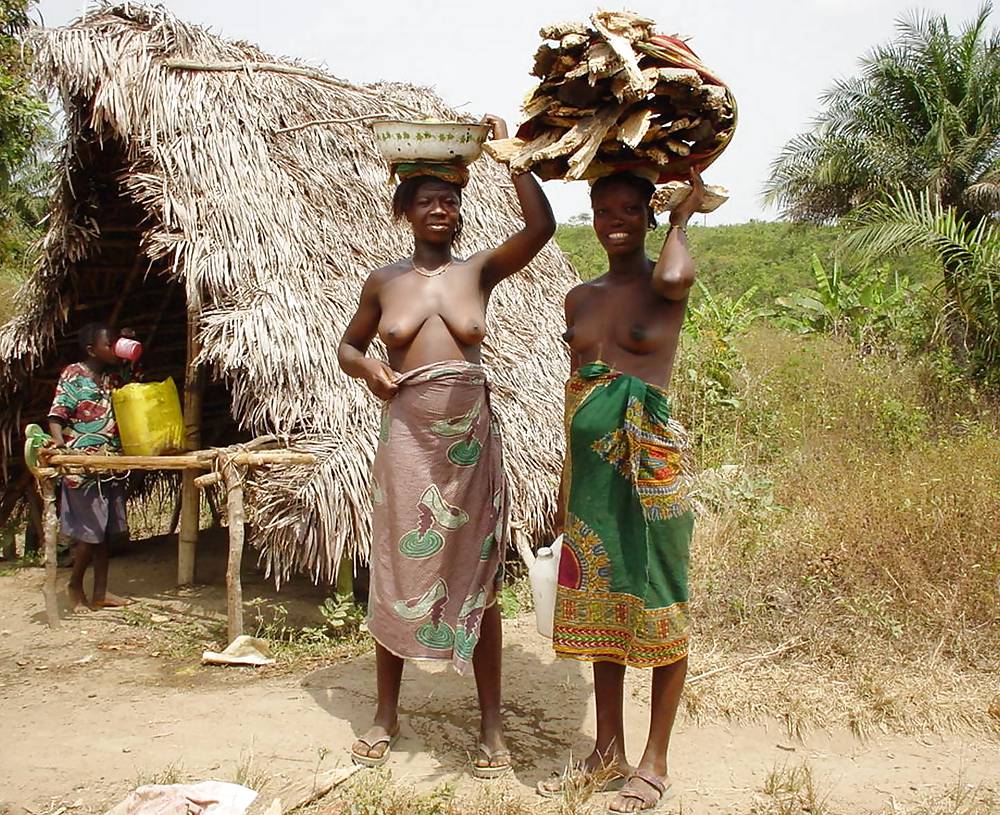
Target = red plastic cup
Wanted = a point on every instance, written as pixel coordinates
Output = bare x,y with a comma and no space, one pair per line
127,349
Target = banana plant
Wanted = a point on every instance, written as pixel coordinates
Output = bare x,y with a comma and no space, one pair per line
869,302
717,322
723,318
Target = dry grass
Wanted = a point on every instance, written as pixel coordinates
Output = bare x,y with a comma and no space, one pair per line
856,518
181,636
173,773
790,791
787,790
375,793
794,790
250,774
184,636
961,799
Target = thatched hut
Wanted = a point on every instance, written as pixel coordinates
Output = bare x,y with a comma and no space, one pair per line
199,202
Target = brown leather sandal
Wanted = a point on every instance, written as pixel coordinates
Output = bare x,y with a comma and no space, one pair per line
657,794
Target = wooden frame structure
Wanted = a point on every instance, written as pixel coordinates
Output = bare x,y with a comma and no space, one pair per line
227,466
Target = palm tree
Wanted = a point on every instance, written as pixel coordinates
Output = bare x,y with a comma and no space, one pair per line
969,253
923,115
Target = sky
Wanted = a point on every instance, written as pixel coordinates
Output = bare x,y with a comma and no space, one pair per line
777,56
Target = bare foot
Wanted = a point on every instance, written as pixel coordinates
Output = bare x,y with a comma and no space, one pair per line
110,601
77,600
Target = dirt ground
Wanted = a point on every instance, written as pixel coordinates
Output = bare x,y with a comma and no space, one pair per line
100,705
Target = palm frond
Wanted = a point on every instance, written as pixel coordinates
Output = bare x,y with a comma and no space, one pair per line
969,254
922,112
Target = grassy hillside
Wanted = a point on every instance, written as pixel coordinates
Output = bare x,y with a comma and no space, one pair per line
771,255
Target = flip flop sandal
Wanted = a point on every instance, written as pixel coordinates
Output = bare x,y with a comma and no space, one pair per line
648,801
558,784
492,771
373,761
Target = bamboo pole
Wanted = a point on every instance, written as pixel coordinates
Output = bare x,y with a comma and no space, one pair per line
50,527
195,460
265,457
233,477
194,384
249,68
262,443
203,482
319,122
97,462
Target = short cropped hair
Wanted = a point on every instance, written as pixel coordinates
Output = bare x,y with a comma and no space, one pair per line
406,192
88,335
641,185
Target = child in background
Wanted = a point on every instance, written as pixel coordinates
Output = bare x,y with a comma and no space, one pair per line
82,419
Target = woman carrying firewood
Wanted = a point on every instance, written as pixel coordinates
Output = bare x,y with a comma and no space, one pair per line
440,501
624,512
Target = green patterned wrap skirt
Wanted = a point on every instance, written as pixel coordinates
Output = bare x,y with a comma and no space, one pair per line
623,572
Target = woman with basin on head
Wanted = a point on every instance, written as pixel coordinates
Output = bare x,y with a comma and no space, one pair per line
624,513
439,497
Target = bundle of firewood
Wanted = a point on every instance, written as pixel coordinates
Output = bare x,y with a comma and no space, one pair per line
614,95
673,193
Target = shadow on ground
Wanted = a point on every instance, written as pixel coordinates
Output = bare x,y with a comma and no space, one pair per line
546,702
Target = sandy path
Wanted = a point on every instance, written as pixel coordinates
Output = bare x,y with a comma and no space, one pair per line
88,710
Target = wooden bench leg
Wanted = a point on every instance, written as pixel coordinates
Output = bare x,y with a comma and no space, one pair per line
50,527
233,477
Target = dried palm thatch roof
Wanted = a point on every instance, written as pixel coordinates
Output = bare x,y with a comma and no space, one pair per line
268,234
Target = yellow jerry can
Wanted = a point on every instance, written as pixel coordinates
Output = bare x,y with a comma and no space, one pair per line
149,418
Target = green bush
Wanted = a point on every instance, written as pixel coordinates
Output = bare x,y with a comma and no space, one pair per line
868,307
773,257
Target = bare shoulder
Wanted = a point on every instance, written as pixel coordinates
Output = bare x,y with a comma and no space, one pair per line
479,257
477,261
579,293
379,277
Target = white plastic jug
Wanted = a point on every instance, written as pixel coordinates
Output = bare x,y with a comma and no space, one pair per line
543,574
